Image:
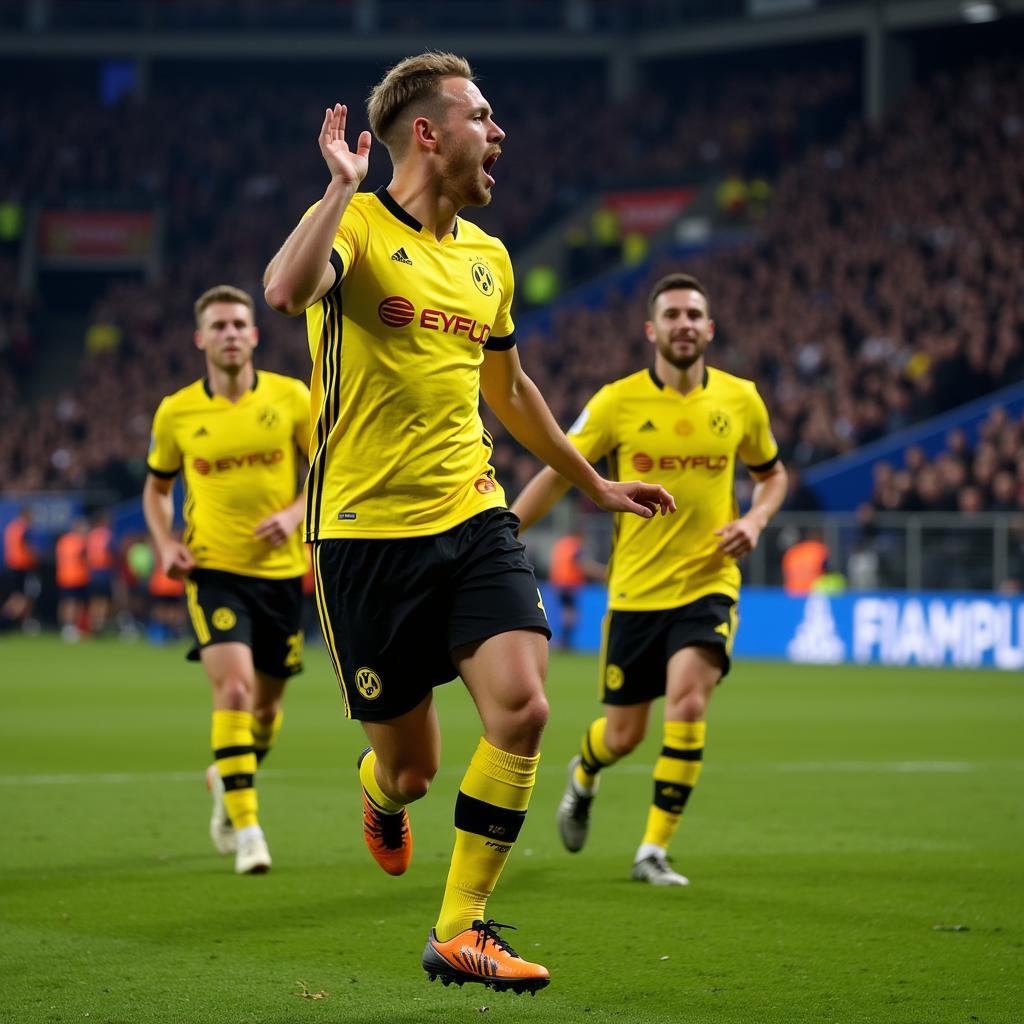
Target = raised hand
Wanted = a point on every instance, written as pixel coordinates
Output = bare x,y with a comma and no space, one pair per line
345,166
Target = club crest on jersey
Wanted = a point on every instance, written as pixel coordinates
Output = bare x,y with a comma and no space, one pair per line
397,311
719,423
268,417
483,279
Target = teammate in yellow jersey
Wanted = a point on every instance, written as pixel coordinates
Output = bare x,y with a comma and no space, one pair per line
673,586
238,436
419,574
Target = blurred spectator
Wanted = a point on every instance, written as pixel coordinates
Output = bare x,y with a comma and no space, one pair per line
803,564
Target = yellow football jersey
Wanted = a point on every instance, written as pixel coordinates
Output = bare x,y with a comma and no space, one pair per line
689,444
240,465
398,447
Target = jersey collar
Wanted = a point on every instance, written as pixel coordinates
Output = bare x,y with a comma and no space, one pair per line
396,211
209,390
660,384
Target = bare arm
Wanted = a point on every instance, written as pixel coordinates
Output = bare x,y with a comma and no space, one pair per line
521,408
539,497
301,272
158,509
740,537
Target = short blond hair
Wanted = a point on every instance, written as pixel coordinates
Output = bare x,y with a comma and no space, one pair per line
222,293
415,81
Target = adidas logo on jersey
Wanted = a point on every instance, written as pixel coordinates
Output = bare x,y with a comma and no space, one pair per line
648,426
201,432
401,256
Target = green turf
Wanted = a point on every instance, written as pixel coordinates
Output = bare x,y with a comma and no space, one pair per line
855,850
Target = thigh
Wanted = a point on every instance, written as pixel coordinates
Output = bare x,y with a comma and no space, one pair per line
218,611
708,623
633,660
384,614
230,669
505,676
275,607
491,581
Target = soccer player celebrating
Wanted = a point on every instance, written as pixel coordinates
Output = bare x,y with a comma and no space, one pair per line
673,585
235,434
419,574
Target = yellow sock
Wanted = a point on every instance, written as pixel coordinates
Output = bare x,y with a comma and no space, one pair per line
675,774
264,735
594,754
368,777
489,813
236,764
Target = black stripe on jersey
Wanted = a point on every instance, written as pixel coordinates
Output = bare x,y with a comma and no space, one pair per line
329,371
186,513
501,344
765,466
163,474
488,440
339,269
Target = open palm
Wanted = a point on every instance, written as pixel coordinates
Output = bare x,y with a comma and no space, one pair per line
344,165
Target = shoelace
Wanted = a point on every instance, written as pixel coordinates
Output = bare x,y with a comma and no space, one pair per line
390,829
486,933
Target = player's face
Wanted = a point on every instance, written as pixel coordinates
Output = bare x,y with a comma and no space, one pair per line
680,328
227,335
469,143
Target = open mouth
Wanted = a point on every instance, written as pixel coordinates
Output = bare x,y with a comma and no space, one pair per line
488,166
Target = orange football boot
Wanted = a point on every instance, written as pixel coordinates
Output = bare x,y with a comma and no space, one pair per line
388,836
479,954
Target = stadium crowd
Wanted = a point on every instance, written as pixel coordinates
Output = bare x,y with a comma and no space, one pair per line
880,289
227,193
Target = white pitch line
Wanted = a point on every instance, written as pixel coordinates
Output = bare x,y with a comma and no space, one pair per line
631,768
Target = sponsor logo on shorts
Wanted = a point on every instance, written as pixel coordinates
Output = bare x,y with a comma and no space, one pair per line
223,619
614,677
368,683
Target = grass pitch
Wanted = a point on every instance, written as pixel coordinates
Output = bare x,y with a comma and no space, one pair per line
855,848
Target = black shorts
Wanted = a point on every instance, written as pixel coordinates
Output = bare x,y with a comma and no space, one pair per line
265,615
392,611
638,645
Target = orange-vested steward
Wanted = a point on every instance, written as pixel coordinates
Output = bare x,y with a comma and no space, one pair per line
565,570
802,564
72,565
161,585
18,554
97,548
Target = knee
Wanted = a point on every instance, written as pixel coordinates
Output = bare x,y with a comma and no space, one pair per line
234,693
623,739
266,713
527,721
409,783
